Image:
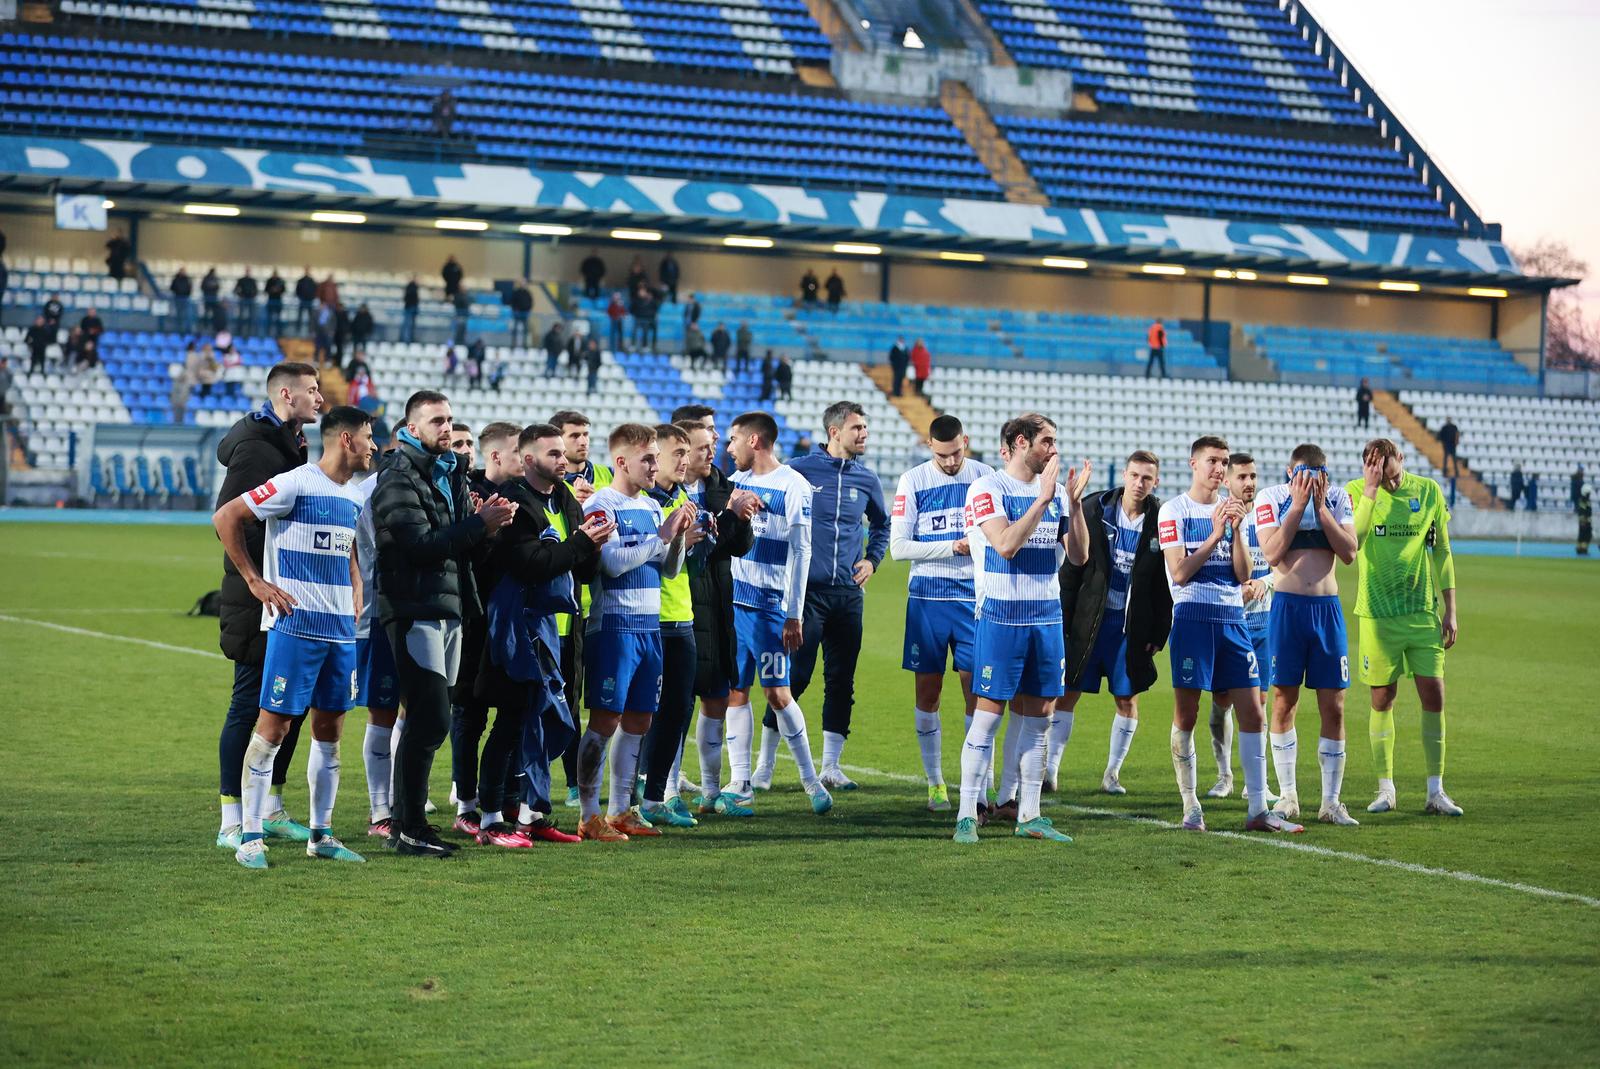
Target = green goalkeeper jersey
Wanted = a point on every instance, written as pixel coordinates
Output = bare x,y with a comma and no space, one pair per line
1405,547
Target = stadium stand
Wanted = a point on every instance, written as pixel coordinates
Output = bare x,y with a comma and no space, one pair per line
1423,360
142,367
78,284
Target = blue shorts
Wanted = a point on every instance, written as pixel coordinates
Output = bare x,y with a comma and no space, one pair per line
1108,660
759,653
1309,644
1011,660
1261,641
622,671
307,673
377,681
1212,655
932,629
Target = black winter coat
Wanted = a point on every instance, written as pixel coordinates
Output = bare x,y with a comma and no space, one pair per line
711,588
254,451
425,544
1083,593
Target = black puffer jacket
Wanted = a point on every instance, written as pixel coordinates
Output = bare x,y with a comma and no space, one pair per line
711,588
425,542
257,448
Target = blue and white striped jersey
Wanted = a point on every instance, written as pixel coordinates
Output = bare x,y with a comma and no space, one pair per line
773,573
1025,590
1272,502
1256,612
626,591
929,516
367,557
1123,535
1214,592
311,529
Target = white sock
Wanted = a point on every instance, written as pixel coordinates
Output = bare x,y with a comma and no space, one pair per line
624,763
232,815
708,741
273,803
1222,739
741,724
930,739
394,750
1008,766
1435,785
525,814
322,776
377,755
792,723
258,758
1253,759
466,805
1122,729
488,817
977,755
769,746
1060,735
591,755
832,750
1183,766
1033,745
1285,750
1330,755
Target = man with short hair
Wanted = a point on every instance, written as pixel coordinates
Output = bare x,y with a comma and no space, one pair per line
1022,524
1305,525
261,445
1449,441
275,288
377,683
1117,612
624,663
308,593
305,295
769,586
1406,603
846,497
521,307
1157,339
182,290
928,528
1202,537
426,530
245,290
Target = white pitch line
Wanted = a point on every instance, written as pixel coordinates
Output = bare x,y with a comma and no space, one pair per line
1283,842
151,644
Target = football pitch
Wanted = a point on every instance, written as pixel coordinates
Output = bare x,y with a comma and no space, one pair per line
862,938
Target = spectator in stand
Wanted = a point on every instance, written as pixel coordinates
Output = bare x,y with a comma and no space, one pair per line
5,274
1530,493
669,276
1364,403
721,342
362,327
921,367
305,294
783,375
328,291
1519,485
644,310
341,333
899,360
322,333
808,288
769,375
1583,508
178,396
521,307
7,378
218,320
39,338
244,291
554,342
743,339
591,360
408,314
691,310
1157,339
637,275
694,344
87,356
592,270
1450,440
276,287
358,364
92,325
477,356
452,274
834,287
452,364
52,311
1577,486
444,114
463,309
501,370
200,367
616,312
574,350
118,249
210,294
182,290
361,386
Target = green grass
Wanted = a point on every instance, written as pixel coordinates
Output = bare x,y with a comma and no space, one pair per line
864,938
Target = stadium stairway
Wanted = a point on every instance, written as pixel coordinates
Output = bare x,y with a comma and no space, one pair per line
913,408
989,144
1399,414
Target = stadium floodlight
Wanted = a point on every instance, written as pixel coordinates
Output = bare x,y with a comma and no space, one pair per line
1065,262
552,230
856,248
740,241
210,209
1487,291
460,224
353,218
636,235
1306,280
108,204
1399,287
963,257
1164,269
1222,272
1245,276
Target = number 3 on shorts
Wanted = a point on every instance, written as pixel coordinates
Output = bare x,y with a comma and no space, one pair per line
774,665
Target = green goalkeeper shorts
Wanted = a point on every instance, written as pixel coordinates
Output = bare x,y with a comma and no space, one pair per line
1393,646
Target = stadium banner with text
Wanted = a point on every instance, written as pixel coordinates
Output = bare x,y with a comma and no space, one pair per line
501,186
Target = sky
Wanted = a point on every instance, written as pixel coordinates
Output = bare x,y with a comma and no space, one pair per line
1504,95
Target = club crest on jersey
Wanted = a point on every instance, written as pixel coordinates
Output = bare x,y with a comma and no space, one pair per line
916,650
1052,510
853,493
988,672
1188,664
1415,504
280,686
1155,545
609,686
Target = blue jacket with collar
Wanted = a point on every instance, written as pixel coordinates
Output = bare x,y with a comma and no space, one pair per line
845,494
